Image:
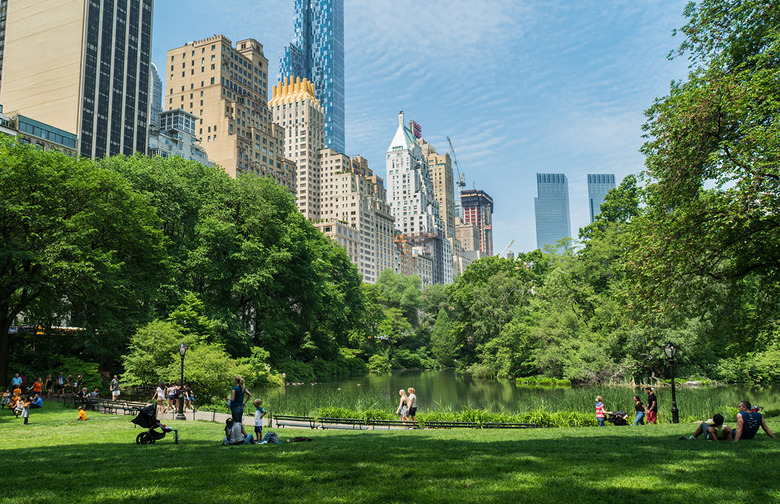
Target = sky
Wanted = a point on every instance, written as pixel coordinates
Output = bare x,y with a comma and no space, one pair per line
520,86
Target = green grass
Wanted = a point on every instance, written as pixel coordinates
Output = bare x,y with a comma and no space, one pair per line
59,460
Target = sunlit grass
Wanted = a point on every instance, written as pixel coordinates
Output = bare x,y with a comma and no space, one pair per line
57,459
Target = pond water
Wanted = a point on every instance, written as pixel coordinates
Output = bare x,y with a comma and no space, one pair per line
450,391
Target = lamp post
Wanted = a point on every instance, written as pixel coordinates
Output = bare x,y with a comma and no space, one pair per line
671,350
182,351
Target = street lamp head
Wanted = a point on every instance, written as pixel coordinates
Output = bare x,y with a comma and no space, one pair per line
182,349
670,350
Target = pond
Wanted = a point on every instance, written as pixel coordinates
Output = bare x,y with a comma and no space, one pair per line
447,390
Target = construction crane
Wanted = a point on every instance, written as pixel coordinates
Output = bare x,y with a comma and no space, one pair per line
461,182
503,252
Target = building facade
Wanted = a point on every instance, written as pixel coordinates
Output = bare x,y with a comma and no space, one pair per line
317,54
599,184
176,137
478,211
440,168
3,13
412,202
353,196
226,87
552,208
295,109
81,66
156,97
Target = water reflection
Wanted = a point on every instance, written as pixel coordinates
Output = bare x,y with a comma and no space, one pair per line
447,390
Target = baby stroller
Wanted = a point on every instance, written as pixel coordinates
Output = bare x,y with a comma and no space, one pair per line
147,418
617,418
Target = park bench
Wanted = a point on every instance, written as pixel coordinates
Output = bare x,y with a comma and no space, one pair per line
393,424
450,425
294,421
505,425
342,423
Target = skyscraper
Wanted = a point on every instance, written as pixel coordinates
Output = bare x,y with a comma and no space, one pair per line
226,87
81,66
552,208
3,13
599,185
317,54
412,201
156,95
478,211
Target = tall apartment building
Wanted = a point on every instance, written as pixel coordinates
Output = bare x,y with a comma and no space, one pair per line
226,87
81,66
478,211
156,97
317,54
440,168
352,195
599,184
552,208
295,109
3,13
412,202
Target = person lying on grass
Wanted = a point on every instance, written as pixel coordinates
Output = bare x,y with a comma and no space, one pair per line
748,423
713,430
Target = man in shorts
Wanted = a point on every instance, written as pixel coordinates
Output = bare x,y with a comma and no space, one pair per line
114,387
748,423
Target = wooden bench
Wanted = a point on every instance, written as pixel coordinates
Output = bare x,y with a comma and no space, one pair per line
504,425
342,423
450,425
393,424
293,421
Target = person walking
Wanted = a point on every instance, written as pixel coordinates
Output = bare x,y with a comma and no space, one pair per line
640,411
601,415
412,401
239,395
114,387
403,406
48,385
652,406
159,396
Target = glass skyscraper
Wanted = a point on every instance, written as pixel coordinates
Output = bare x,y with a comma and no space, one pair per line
599,185
552,208
317,54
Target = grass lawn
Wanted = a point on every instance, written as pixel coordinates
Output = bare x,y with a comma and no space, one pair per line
57,459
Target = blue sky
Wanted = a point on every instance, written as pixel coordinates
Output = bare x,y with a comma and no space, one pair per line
519,86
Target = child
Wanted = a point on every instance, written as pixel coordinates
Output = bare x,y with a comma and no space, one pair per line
6,398
82,414
259,414
25,409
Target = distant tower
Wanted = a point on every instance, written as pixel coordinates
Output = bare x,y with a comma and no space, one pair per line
552,208
478,210
317,54
599,185
156,96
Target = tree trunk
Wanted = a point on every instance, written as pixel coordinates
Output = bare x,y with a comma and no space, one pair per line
5,325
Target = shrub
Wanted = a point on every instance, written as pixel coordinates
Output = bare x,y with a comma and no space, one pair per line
379,363
295,371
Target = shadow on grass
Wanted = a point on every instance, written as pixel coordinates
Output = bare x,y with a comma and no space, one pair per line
74,462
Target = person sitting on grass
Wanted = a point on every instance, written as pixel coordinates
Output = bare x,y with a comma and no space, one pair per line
234,434
713,430
748,423
82,414
6,398
37,402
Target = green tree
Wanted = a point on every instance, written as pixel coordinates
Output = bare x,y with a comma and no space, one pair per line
78,244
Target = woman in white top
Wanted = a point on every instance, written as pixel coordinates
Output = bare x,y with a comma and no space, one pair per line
159,395
412,404
403,406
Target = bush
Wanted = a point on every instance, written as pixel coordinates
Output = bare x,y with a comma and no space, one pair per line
379,363
295,371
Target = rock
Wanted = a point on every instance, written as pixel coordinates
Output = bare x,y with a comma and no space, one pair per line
692,384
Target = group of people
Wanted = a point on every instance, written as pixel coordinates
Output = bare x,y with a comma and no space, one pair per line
235,433
749,419
642,410
167,396
407,406
20,403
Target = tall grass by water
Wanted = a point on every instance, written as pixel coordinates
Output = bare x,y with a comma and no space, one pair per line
443,397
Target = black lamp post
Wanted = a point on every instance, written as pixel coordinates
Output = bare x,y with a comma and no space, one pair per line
182,351
670,350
